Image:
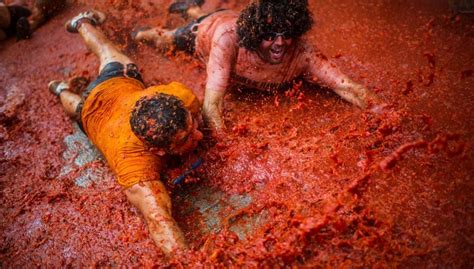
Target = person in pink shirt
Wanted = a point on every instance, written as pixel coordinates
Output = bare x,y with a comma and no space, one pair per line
261,48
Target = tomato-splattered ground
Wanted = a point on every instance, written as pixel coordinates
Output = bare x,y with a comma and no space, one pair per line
303,178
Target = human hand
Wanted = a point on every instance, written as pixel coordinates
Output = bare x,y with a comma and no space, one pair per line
212,111
212,117
380,109
389,119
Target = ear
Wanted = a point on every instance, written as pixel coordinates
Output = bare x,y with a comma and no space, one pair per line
158,151
161,152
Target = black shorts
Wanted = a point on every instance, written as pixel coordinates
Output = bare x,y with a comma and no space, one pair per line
185,37
111,70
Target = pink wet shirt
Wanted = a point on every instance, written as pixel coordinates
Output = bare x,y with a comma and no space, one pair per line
217,45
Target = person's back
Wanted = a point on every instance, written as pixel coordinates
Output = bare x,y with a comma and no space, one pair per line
105,119
133,126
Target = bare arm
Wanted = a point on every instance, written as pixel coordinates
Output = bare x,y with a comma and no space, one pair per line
212,108
153,201
323,71
219,67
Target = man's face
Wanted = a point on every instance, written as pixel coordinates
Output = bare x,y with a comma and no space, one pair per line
274,46
186,140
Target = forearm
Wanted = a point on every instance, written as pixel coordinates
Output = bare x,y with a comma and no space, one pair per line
222,58
327,73
153,201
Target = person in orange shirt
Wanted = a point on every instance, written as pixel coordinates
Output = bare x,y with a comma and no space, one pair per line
133,126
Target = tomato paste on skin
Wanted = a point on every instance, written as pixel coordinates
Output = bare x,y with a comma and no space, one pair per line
325,184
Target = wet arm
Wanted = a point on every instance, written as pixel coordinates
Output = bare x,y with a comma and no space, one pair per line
153,201
221,60
323,71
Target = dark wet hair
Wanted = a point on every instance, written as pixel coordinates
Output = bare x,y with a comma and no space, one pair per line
156,119
262,16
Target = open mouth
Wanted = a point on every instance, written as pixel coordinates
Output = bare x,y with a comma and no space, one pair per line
277,53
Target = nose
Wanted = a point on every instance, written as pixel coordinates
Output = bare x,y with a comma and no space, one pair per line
278,40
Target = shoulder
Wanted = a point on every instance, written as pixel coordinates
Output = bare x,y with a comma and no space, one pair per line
310,55
182,92
226,32
307,48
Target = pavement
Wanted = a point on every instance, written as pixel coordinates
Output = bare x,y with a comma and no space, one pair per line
79,158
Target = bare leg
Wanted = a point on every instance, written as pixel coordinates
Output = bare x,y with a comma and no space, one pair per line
164,38
101,46
154,203
43,10
37,18
151,197
187,8
161,38
195,12
69,101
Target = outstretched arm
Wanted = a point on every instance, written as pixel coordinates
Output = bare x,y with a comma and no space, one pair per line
153,201
219,67
323,71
